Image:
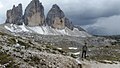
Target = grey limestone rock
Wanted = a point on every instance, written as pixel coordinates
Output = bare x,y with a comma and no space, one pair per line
56,18
14,15
34,14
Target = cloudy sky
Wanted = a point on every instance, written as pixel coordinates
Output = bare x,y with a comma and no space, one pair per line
94,15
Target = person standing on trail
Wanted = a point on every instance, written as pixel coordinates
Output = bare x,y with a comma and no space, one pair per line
84,50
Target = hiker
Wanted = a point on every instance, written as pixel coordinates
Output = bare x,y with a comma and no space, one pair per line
84,50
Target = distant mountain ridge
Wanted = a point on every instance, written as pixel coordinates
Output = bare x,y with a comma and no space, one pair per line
55,22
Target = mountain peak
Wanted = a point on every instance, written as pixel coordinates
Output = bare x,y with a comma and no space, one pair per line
14,15
34,14
57,19
55,6
35,0
56,10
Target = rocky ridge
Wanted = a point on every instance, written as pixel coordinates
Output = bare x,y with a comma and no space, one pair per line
34,16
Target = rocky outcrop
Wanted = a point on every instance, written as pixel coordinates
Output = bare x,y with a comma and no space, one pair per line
56,18
14,15
69,24
34,14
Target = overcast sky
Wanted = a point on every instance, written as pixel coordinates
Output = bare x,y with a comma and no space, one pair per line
87,13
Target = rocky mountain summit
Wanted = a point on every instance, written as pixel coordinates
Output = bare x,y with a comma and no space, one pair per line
14,15
34,14
56,18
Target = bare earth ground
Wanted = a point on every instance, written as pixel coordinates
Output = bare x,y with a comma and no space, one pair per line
63,45
95,64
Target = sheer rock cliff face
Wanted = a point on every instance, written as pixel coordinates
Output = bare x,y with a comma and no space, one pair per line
56,18
34,14
14,15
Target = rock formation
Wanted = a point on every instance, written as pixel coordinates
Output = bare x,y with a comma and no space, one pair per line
34,14
56,18
14,15
68,24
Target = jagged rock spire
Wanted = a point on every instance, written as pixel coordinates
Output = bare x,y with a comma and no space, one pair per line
34,14
14,15
56,18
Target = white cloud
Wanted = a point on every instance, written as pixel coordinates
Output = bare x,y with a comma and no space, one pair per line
109,22
106,25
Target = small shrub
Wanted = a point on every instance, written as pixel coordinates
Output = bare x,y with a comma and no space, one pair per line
40,49
23,44
35,59
74,56
26,60
21,53
12,40
4,58
0,47
55,49
1,33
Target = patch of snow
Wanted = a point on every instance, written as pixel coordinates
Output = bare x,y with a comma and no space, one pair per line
9,29
59,48
17,45
77,53
77,33
80,33
89,49
62,31
47,30
77,60
107,61
23,28
14,28
38,30
74,48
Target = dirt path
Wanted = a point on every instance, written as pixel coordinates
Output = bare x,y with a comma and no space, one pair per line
101,65
94,64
